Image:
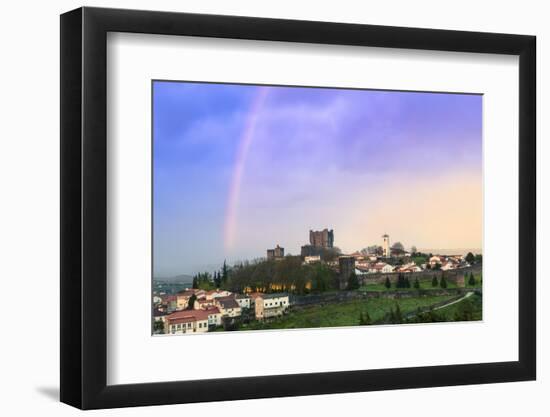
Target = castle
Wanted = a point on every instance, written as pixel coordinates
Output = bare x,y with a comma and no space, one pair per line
318,241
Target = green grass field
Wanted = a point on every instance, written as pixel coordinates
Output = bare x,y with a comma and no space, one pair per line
344,314
450,313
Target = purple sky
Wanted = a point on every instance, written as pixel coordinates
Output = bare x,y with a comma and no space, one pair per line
239,169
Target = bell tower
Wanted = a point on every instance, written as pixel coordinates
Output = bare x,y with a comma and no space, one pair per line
386,246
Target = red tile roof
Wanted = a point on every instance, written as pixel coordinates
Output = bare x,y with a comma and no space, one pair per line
212,310
186,316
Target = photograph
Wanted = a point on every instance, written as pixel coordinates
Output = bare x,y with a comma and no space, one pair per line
293,207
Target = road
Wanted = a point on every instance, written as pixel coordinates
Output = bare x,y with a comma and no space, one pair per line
468,294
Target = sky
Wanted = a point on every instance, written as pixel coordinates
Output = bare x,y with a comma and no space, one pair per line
238,169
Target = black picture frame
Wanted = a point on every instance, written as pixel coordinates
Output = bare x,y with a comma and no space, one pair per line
84,207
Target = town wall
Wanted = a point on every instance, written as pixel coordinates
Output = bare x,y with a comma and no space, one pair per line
451,276
298,301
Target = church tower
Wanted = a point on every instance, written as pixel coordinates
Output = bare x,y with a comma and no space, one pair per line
386,246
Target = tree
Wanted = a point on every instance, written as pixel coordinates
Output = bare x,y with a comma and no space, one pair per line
435,283
470,258
353,282
195,282
364,319
387,284
225,273
443,282
472,280
465,311
407,282
413,249
158,327
191,303
398,246
416,284
217,279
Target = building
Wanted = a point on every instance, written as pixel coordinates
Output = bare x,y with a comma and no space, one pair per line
386,250
182,299
434,260
312,259
307,251
271,305
243,300
159,315
187,321
322,238
214,316
276,253
203,304
212,294
228,306
381,267
347,268
171,302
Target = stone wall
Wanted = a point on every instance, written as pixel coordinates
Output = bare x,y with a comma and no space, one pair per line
451,276
298,301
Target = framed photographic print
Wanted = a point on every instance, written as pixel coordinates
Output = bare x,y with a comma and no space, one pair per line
328,207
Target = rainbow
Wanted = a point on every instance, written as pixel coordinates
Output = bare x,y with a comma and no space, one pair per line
230,224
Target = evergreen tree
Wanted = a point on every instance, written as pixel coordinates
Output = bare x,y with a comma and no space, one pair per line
472,280
416,284
443,282
470,258
195,282
191,304
407,282
435,283
387,283
225,273
402,282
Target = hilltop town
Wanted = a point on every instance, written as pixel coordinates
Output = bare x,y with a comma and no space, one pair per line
321,287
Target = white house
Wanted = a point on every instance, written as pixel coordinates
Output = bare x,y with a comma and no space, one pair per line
243,300
447,266
382,267
212,294
228,306
187,321
214,316
271,305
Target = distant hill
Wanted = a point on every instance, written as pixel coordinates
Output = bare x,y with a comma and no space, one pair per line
456,251
187,279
